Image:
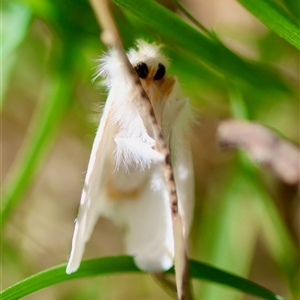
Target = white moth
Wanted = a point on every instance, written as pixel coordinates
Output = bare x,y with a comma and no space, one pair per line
124,180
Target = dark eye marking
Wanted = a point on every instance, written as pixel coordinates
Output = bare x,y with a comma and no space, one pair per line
142,70
160,73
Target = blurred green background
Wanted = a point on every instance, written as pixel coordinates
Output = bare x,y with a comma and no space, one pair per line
246,220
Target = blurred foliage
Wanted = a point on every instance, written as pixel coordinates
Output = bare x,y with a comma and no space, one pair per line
246,218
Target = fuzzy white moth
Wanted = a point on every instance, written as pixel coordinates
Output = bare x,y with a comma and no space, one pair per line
124,180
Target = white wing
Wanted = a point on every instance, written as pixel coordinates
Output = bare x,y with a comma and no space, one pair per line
184,178
88,210
183,165
149,233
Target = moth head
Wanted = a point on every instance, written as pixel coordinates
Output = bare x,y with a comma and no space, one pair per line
150,65
149,62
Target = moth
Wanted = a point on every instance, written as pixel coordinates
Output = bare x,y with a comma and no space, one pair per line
124,179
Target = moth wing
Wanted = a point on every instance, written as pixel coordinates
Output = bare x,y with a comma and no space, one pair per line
184,178
149,236
183,164
88,211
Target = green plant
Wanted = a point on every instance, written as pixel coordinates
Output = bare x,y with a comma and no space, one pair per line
47,54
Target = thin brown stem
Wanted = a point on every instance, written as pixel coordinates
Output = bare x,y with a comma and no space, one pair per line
110,37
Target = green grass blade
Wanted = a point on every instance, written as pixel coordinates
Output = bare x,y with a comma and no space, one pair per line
45,125
293,6
125,264
276,18
278,239
223,229
210,51
205,272
16,18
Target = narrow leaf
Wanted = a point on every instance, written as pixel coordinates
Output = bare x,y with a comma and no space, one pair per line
276,18
203,48
125,264
45,125
16,18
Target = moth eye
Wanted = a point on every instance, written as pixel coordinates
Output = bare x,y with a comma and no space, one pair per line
160,73
142,70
